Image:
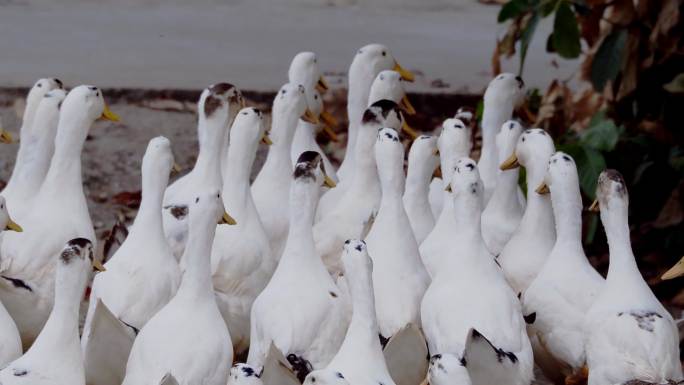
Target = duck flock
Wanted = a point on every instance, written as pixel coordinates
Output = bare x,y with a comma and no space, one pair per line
363,274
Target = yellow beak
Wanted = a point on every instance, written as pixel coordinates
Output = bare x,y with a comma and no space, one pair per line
328,182
227,219
266,139
409,131
675,271
510,163
176,168
595,206
5,136
543,188
13,226
107,114
405,74
328,119
407,106
322,85
310,117
98,266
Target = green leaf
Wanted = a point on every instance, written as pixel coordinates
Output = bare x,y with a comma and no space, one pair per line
566,34
590,163
676,85
602,133
512,9
591,229
547,7
607,62
526,38
479,110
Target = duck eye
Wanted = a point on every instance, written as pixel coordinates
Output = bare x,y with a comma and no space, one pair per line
316,97
384,53
39,85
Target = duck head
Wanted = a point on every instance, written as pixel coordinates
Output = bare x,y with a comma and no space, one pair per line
304,70
507,138
86,104
383,113
611,194
291,102
561,174
78,254
219,102
310,169
424,153
389,85
389,156
357,262
40,88
158,162
465,183
6,223
377,57
533,150
455,140
211,203
505,89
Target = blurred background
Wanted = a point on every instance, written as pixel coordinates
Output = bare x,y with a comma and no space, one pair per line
604,77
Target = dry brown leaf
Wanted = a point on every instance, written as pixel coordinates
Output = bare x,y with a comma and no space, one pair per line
496,60
672,212
630,74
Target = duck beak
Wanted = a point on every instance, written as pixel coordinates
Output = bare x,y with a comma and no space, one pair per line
543,188
437,173
510,163
98,266
595,206
448,188
405,74
266,139
5,136
227,219
675,271
13,226
176,168
322,85
328,182
405,103
107,114
310,117
409,131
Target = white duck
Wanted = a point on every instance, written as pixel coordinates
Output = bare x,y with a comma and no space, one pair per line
301,310
487,330
55,357
455,142
244,374
360,358
353,212
503,94
504,210
188,338
10,342
241,258
423,159
566,287
629,334
36,147
386,86
369,61
141,277
399,277
526,252
59,212
271,188
304,70
216,108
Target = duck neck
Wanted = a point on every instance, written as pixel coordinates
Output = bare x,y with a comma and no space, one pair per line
622,262
149,215
418,177
303,199
61,328
197,276
211,140
282,134
360,81
467,211
567,209
493,118
364,168
65,167
538,213
364,325
238,167
391,184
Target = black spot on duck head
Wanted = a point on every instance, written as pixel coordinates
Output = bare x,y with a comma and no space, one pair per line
221,88
520,81
379,111
211,104
76,248
59,83
306,165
